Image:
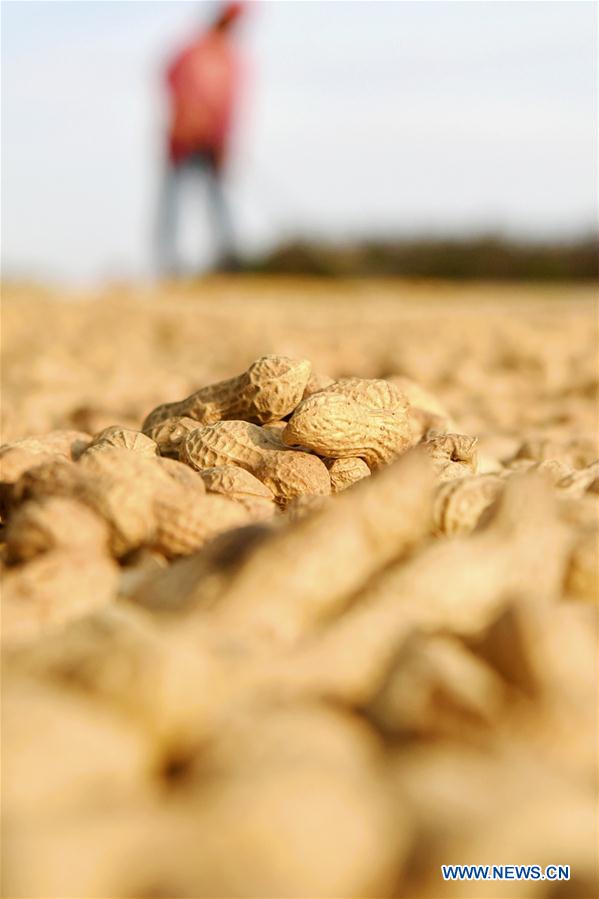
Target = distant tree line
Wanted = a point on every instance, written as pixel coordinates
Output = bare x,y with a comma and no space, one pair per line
482,257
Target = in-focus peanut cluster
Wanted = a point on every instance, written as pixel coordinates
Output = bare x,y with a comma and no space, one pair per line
273,443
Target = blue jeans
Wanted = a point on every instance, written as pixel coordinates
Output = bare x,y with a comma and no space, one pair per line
176,176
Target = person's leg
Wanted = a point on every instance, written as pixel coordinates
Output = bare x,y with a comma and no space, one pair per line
227,258
167,224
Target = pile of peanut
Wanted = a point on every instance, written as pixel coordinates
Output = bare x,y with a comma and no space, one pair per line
244,643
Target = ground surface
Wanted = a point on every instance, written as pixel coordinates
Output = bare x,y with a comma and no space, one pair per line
280,718
501,357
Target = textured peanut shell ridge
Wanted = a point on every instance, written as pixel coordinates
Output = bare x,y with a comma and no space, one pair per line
459,503
336,426
184,523
375,393
270,389
54,523
105,449
162,413
452,455
276,386
345,472
126,438
169,434
268,593
227,443
52,589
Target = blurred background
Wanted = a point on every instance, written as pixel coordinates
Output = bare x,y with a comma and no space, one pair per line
446,139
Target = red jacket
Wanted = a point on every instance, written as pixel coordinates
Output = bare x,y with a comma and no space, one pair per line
202,82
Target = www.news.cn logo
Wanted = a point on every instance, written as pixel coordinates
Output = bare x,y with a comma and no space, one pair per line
505,872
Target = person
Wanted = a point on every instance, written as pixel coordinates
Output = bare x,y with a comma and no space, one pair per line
202,83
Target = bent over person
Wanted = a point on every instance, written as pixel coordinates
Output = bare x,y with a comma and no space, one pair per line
202,82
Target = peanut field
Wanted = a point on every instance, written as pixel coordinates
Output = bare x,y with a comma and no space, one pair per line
300,589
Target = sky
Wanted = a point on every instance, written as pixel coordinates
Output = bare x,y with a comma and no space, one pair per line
361,119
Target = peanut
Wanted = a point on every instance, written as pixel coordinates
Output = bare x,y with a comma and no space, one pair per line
336,426
582,574
62,442
56,477
144,501
285,472
128,513
438,688
374,393
477,573
125,438
184,523
300,506
418,396
103,479
575,453
270,389
452,455
182,474
243,487
14,463
276,428
170,433
577,483
320,695
54,523
267,593
459,503
315,383
425,410
54,588
15,460
345,472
